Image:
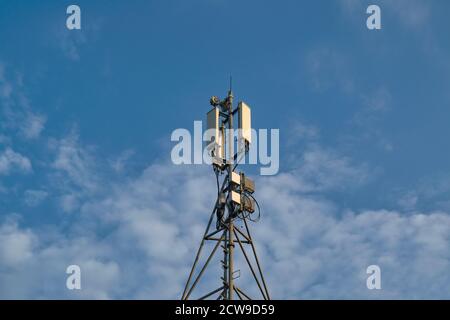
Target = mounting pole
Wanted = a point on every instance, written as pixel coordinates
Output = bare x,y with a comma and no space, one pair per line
231,209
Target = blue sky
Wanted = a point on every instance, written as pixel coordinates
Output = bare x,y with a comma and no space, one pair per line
85,123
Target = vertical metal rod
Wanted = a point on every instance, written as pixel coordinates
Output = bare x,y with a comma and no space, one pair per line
225,265
230,252
231,208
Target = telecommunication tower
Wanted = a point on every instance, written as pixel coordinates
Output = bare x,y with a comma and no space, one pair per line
234,208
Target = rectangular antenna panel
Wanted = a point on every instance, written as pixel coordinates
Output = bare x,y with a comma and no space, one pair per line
236,178
235,197
245,122
212,121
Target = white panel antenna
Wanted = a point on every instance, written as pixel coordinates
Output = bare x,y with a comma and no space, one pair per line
215,146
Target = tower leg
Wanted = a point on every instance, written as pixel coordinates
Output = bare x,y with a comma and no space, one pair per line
231,260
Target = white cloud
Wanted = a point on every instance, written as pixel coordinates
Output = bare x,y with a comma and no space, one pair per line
144,243
430,193
17,110
137,238
33,265
373,105
75,165
316,250
69,202
120,162
318,169
76,173
300,132
16,246
11,161
32,125
309,246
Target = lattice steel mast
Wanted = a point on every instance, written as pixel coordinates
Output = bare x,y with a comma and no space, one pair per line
234,207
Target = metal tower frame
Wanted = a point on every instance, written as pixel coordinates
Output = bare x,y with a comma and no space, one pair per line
227,233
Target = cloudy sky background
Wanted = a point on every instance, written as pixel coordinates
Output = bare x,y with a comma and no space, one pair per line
85,124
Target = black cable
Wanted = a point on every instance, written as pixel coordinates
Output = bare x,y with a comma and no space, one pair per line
246,214
219,213
259,209
217,181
